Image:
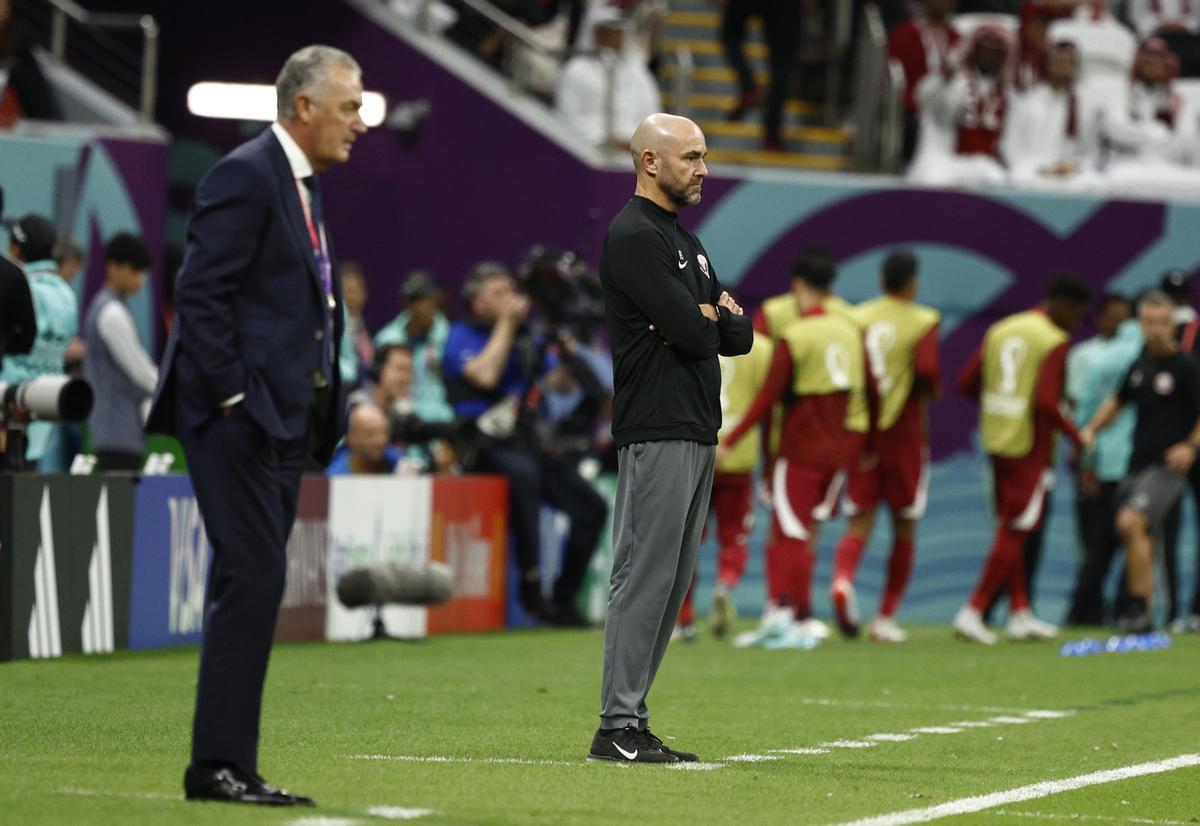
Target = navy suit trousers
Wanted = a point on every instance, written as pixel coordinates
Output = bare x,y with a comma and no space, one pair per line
247,485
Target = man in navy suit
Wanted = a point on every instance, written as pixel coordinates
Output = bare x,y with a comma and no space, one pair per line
249,385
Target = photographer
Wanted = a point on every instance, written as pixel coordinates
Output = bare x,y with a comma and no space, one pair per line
57,318
492,364
392,391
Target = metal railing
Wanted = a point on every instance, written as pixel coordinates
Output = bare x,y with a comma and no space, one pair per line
878,98
96,53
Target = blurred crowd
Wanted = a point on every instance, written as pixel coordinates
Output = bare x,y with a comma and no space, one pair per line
516,383
1065,96
512,377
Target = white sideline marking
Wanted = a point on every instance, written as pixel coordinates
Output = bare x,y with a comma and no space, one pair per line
825,701
968,805
973,724
122,795
320,820
415,758
799,751
891,738
848,744
1100,818
748,758
1048,715
694,767
398,812
1015,721
936,730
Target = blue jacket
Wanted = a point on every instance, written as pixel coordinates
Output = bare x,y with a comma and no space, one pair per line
250,306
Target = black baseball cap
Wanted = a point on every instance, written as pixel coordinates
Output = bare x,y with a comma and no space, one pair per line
36,235
419,284
1177,284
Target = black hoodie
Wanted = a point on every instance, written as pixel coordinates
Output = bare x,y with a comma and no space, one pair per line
655,272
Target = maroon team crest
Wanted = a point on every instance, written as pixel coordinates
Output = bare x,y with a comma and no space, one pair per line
703,262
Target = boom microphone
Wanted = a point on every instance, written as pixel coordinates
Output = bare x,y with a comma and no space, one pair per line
401,583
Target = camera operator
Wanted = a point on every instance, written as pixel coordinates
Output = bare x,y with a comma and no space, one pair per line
57,318
492,365
576,396
18,325
392,391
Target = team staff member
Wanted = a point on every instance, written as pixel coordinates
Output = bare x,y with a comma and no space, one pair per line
820,359
1164,386
1018,376
902,352
668,321
249,383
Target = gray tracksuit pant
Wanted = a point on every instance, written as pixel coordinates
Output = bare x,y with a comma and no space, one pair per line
658,518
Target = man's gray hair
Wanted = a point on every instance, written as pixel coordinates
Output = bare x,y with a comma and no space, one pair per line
1155,298
307,71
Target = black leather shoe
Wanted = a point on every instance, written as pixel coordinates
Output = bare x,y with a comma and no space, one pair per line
227,784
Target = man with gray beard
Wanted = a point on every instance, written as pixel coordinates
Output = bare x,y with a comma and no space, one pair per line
668,320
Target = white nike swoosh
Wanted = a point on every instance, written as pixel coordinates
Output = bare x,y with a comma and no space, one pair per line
682,264
629,755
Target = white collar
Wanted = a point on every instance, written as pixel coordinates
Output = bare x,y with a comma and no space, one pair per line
297,160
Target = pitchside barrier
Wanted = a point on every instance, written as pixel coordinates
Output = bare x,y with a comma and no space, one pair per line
93,564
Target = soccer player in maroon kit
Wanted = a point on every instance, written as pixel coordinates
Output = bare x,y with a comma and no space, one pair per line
902,350
819,358
1018,375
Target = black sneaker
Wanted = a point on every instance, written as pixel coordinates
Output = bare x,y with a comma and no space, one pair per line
1137,618
628,745
683,756
1136,623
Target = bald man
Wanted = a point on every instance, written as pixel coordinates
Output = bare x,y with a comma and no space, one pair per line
668,320
366,450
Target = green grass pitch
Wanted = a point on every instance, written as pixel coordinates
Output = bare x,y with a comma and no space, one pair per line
104,740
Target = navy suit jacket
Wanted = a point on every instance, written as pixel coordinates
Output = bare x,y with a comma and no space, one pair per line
249,314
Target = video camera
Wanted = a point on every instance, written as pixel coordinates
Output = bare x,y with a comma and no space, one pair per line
565,290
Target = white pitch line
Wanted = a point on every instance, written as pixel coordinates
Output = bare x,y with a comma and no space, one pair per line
848,744
1012,721
973,724
798,751
891,738
695,766
321,820
748,758
1048,715
968,805
936,730
434,758
1097,818
825,701
398,812
122,795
